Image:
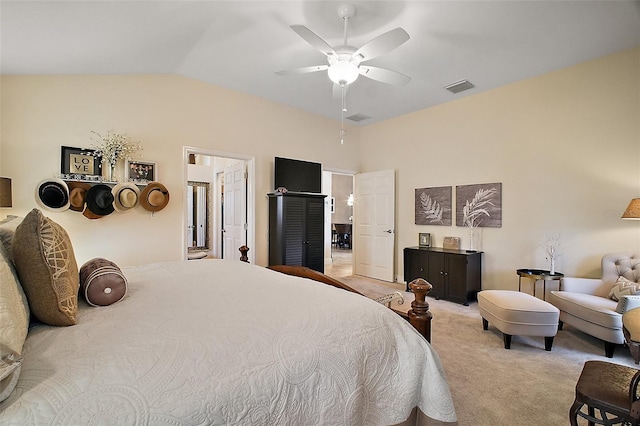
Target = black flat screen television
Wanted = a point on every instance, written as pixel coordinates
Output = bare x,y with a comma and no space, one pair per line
297,175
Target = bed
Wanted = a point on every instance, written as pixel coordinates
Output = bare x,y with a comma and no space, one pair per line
212,342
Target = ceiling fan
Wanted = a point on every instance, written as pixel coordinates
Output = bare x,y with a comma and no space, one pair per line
345,62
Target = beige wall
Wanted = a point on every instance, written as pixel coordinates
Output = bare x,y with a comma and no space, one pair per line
566,147
42,113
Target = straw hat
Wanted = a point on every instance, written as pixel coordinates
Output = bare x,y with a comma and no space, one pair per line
154,197
53,195
125,196
100,200
77,195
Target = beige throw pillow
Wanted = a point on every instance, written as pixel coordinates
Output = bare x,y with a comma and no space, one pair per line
7,229
623,287
14,325
47,269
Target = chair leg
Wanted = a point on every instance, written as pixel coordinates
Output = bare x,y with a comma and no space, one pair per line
560,324
634,348
609,348
548,343
485,325
573,412
507,340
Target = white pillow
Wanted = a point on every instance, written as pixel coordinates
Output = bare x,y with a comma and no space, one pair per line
623,287
7,229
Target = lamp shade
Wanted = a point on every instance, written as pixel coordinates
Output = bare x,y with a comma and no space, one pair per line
633,210
5,192
343,72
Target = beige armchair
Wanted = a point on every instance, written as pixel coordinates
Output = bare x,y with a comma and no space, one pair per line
584,303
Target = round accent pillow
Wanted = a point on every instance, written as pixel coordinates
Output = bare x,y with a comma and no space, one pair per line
102,282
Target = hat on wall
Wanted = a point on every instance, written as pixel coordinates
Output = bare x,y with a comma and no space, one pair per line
125,196
99,200
53,195
154,197
77,195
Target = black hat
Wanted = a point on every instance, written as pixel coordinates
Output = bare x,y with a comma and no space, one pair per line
53,194
100,200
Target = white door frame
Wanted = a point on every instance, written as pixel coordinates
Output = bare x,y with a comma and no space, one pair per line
251,185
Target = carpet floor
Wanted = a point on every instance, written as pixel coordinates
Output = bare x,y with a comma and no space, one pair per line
524,385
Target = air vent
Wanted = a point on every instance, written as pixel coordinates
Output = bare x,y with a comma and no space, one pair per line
358,117
459,86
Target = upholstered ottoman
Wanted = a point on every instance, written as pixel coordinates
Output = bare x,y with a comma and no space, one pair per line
520,314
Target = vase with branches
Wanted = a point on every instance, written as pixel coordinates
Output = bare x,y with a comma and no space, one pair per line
551,247
113,147
475,210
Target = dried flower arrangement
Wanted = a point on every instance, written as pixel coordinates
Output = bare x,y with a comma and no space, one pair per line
113,147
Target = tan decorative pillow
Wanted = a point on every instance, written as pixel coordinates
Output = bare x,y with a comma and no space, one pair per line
623,287
14,325
47,269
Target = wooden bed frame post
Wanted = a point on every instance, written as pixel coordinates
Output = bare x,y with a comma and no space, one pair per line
419,315
243,254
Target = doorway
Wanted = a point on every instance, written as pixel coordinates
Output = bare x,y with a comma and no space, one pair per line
221,217
341,226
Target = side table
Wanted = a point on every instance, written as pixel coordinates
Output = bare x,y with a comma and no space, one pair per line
536,275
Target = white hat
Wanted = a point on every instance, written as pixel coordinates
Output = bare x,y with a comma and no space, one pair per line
53,195
125,196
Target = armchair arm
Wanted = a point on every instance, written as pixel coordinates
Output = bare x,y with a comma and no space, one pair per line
627,303
581,285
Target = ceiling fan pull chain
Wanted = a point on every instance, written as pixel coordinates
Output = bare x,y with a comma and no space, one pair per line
344,109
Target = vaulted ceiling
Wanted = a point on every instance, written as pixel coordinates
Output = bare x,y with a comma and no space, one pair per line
241,44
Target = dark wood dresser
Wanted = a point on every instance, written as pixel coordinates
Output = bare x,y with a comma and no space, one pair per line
456,275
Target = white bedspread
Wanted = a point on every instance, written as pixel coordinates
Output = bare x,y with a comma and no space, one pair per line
211,342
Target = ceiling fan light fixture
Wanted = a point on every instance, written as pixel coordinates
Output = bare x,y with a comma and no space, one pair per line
343,72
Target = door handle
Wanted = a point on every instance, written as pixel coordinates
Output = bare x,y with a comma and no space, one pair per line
389,231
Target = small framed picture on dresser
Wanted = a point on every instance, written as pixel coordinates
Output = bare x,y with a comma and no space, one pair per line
424,239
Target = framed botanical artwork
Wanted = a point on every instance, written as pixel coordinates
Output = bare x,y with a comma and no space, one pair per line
479,205
140,171
79,163
433,206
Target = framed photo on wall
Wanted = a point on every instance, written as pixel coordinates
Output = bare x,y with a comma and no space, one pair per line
140,171
79,163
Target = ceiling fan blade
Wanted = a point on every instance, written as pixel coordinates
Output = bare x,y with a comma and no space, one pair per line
337,91
303,70
313,39
384,75
382,44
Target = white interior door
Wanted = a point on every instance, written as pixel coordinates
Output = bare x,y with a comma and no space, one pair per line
235,210
374,225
